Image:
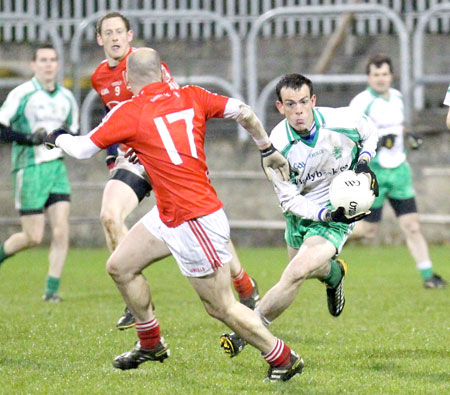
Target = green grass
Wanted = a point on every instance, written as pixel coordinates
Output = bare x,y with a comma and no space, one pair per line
393,336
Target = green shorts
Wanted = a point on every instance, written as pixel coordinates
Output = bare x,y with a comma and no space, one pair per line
298,229
33,185
395,183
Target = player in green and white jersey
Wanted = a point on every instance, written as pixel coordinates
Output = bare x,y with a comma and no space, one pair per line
384,105
319,143
29,112
447,103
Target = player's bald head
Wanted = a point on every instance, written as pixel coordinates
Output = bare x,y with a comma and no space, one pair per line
143,67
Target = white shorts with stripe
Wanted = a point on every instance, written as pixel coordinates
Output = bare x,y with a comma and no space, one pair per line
200,245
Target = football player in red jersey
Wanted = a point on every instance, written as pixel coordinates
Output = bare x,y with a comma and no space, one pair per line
166,128
129,183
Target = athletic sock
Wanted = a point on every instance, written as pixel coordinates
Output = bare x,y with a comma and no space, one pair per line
242,284
425,269
335,275
279,356
3,255
149,333
51,286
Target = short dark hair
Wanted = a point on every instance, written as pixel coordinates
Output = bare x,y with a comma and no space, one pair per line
109,15
43,46
294,81
378,61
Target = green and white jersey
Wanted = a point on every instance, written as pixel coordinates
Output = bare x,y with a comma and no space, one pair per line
29,107
338,137
447,97
388,117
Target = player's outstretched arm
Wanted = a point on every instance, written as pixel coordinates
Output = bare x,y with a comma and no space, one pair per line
8,135
79,147
270,157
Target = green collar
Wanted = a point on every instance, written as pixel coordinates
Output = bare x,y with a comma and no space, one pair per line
375,94
38,86
293,135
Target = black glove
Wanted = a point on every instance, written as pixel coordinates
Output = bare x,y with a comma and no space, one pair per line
270,157
338,215
50,139
38,136
414,141
363,167
387,141
7,135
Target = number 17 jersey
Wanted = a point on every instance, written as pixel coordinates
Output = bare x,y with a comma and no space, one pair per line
166,127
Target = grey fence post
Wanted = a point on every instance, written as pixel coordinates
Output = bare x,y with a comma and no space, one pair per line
49,27
158,16
252,71
419,79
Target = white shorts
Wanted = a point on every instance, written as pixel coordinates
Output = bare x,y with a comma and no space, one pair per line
200,245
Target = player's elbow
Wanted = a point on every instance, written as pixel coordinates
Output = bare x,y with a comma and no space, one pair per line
448,120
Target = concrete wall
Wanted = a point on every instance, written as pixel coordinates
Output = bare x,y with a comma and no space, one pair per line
254,198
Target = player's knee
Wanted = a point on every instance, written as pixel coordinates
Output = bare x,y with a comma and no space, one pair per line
60,232
370,233
113,268
33,240
109,217
411,227
217,310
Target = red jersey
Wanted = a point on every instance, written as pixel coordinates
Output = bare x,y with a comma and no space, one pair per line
166,127
110,84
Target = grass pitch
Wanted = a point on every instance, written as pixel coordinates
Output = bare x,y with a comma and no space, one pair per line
392,338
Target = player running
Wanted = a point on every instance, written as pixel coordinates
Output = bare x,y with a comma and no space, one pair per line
129,183
319,143
384,106
30,111
166,128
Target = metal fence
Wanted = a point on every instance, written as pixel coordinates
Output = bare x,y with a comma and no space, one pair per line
67,14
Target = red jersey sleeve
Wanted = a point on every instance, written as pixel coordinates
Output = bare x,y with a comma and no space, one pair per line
213,104
120,125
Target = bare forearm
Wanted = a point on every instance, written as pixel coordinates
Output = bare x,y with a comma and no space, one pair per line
250,122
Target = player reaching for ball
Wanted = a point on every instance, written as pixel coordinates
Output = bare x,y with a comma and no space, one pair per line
319,143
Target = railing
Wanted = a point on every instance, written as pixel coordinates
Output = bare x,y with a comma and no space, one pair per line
68,14
161,16
419,77
252,69
48,28
92,98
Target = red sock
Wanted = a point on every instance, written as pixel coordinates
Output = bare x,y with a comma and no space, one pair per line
242,284
148,333
279,356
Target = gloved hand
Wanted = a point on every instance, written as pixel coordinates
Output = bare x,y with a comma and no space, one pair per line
270,157
363,167
414,141
132,156
50,139
38,136
338,215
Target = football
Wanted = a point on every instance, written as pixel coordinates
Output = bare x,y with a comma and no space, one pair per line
351,191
